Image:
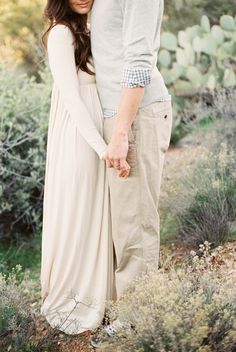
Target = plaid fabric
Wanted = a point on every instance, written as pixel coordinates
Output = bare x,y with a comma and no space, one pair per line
136,77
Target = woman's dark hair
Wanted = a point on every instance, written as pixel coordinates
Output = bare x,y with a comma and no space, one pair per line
60,12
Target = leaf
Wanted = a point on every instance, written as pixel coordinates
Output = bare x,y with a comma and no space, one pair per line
194,75
184,87
168,41
183,39
181,58
227,23
164,57
229,79
218,34
209,45
205,23
197,44
211,82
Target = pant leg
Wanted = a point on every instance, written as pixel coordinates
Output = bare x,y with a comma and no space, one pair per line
134,201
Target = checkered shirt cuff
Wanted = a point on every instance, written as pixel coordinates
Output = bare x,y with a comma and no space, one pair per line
136,77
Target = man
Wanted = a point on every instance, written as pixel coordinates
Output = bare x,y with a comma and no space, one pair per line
125,37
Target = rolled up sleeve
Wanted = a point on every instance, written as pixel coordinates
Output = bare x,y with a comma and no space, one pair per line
140,24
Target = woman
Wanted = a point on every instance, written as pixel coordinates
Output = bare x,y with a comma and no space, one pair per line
77,250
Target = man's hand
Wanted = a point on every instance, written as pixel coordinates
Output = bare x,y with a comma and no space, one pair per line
116,153
118,148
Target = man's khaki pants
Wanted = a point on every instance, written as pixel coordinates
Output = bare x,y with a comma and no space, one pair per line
135,220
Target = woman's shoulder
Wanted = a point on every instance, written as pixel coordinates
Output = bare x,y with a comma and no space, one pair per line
60,31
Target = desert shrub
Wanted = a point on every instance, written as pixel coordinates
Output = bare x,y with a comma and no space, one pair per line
214,9
24,106
206,107
20,315
27,253
17,321
183,13
204,199
219,104
20,26
190,309
198,198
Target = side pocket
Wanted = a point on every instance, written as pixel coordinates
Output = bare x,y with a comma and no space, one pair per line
131,137
132,152
166,120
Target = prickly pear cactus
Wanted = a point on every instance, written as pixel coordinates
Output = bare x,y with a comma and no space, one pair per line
200,56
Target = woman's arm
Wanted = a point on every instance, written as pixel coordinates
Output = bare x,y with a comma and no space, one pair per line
62,64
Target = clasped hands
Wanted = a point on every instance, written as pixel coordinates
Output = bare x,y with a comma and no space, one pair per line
116,154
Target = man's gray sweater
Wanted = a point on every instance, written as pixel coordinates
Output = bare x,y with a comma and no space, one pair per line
125,38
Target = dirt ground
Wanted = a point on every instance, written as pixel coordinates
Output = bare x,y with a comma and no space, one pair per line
61,342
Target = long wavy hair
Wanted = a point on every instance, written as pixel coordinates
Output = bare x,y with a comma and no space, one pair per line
59,12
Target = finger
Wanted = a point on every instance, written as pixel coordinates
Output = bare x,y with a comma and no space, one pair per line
122,173
123,163
108,163
126,174
103,156
128,170
117,164
126,166
125,171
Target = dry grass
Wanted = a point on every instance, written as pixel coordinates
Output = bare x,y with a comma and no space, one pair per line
189,309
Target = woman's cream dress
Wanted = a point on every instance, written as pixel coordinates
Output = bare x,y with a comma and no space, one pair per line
77,261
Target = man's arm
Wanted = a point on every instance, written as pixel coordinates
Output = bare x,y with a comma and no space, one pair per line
139,27
118,147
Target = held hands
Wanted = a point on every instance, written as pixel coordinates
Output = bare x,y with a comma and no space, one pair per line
116,153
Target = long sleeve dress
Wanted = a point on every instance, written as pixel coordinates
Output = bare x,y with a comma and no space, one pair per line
77,250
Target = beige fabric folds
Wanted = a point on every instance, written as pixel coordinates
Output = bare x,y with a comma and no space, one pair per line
76,238
134,201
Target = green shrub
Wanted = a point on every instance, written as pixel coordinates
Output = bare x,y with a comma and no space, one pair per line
204,200
17,321
24,107
182,13
221,104
198,200
20,315
20,26
27,254
192,309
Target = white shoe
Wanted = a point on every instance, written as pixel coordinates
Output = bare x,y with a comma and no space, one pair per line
110,330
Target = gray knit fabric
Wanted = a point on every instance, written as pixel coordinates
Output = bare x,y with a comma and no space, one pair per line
125,36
